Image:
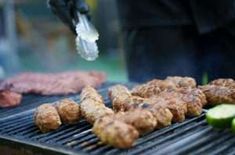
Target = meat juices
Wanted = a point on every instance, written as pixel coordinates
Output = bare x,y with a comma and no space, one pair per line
69,111
47,118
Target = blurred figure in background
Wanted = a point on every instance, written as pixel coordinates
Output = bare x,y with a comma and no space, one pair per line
171,37
178,37
9,62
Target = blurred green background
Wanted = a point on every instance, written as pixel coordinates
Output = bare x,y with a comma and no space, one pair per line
42,43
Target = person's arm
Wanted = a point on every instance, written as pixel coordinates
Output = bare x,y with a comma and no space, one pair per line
66,11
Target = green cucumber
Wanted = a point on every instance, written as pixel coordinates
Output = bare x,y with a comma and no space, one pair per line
221,116
233,125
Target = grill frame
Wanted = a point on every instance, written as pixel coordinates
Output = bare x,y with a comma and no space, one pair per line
18,131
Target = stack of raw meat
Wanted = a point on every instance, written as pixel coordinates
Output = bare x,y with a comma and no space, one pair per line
46,84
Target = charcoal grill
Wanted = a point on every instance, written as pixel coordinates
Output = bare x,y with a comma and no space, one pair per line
193,136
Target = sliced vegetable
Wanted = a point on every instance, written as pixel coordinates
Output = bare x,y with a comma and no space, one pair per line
233,125
221,116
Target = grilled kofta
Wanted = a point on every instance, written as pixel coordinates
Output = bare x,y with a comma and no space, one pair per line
120,97
182,81
114,132
195,100
162,115
47,118
159,110
152,88
92,105
143,120
218,94
69,111
230,83
106,127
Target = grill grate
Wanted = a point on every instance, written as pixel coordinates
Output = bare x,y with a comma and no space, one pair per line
193,136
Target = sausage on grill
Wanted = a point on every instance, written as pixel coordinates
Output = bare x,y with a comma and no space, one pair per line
47,118
115,133
161,114
107,128
218,94
182,81
120,97
143,120
152,88
92,105
69,111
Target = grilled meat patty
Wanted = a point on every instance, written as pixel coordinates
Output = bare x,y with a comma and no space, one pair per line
161,113
154,87
69,111
114,132
92,105
218,94
47,118
143,120
182,81
108,128
230,83
220,91
120,97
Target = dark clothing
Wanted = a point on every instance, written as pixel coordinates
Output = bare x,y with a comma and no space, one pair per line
178,37
212,14
206,15
168,51
139,13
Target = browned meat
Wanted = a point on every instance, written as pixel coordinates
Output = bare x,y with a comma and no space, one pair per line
52,83
174,95
230,83
92,111
9,99
141,119
182,81
138,100
152,88
195,100
218,94
135,103
106,126
47,118
92,105
192,99
115,133
69,111
120,97
177,108
158,108
89,92
160,111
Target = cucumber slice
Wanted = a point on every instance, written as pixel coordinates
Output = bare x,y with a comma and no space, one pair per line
233,125
221,116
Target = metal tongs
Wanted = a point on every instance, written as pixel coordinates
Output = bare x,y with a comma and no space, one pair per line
86,38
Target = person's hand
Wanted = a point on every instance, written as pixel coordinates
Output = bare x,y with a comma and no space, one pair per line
66,10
